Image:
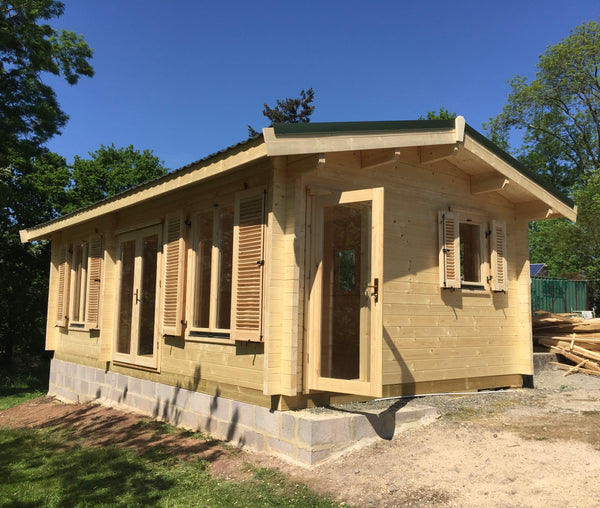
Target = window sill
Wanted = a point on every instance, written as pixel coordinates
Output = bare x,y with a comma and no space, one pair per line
209,337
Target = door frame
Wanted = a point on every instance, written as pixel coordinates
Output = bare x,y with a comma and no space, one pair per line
133,358
371,386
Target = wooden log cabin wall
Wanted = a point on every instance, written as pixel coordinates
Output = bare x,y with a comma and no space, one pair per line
315,263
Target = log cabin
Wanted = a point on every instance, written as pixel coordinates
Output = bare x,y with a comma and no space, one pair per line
314,263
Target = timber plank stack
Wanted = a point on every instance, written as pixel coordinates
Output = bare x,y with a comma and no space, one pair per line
574,338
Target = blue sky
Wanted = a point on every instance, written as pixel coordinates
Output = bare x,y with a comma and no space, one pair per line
185,78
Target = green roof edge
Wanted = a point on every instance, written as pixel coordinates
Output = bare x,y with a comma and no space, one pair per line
411,125
283,129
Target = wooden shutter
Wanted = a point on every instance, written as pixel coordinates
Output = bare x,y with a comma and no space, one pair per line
449,241
248,265
174,273
94,269
498,259
63,283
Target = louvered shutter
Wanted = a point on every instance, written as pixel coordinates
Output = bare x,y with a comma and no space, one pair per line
498,259
248,266
449,241
94,269
63,283
174,273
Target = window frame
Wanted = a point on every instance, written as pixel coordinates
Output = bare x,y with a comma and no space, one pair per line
80,251
484,265
212,332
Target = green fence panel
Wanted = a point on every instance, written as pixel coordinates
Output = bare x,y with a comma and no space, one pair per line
558,295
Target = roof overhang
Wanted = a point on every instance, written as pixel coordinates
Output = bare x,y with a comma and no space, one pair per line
437,142
208,168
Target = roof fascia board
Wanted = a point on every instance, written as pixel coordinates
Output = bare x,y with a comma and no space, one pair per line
173,181
362,137
557,205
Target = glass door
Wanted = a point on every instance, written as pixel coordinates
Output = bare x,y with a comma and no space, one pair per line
136,337
344,324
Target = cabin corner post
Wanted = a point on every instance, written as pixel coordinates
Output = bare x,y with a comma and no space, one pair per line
520,244
278,376
52,331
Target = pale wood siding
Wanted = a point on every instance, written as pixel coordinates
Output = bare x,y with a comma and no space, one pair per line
199,362
443,334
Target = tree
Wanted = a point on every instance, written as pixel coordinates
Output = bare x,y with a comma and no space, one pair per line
558,113
110,171
29,111
558,116
442,114
289,110
32,181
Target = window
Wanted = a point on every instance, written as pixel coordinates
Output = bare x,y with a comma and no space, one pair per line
79,274
78,282
212,270
472,251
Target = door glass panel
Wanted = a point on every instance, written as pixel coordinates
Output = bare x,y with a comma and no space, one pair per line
345,318
147,298
127,256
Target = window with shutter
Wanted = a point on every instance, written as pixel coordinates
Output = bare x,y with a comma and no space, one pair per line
498,258
174,274
248,265
449,241
63,285
212,251
94,272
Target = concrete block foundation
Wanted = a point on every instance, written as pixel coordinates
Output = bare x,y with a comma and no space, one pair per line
306,437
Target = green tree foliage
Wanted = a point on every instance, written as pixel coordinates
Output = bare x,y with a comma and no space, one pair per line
110,171
32,181
442,114
29,110
558,113
289,110
558,117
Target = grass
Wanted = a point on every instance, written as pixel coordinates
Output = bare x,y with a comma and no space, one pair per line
43,468
18,388
47,467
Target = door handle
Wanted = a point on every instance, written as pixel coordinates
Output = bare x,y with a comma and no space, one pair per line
137,298
375,288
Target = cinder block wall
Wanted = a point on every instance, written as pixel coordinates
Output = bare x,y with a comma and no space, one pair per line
301,436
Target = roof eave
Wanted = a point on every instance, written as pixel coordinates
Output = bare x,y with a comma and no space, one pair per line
212,166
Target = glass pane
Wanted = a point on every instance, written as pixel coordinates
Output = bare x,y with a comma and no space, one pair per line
345,308
203,270
147,298
77,276
225,267
470,262
346,271
127,256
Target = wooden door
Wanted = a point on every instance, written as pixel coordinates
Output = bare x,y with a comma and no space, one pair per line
344,303
137,323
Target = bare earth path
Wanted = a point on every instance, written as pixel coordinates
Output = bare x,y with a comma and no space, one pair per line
536,447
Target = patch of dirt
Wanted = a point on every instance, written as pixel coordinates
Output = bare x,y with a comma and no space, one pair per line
95,425
530,447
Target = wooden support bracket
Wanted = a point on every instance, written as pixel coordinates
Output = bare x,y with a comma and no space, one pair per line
370,159
431,154
482,185
322,160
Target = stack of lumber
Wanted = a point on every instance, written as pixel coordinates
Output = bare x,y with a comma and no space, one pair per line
574,338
